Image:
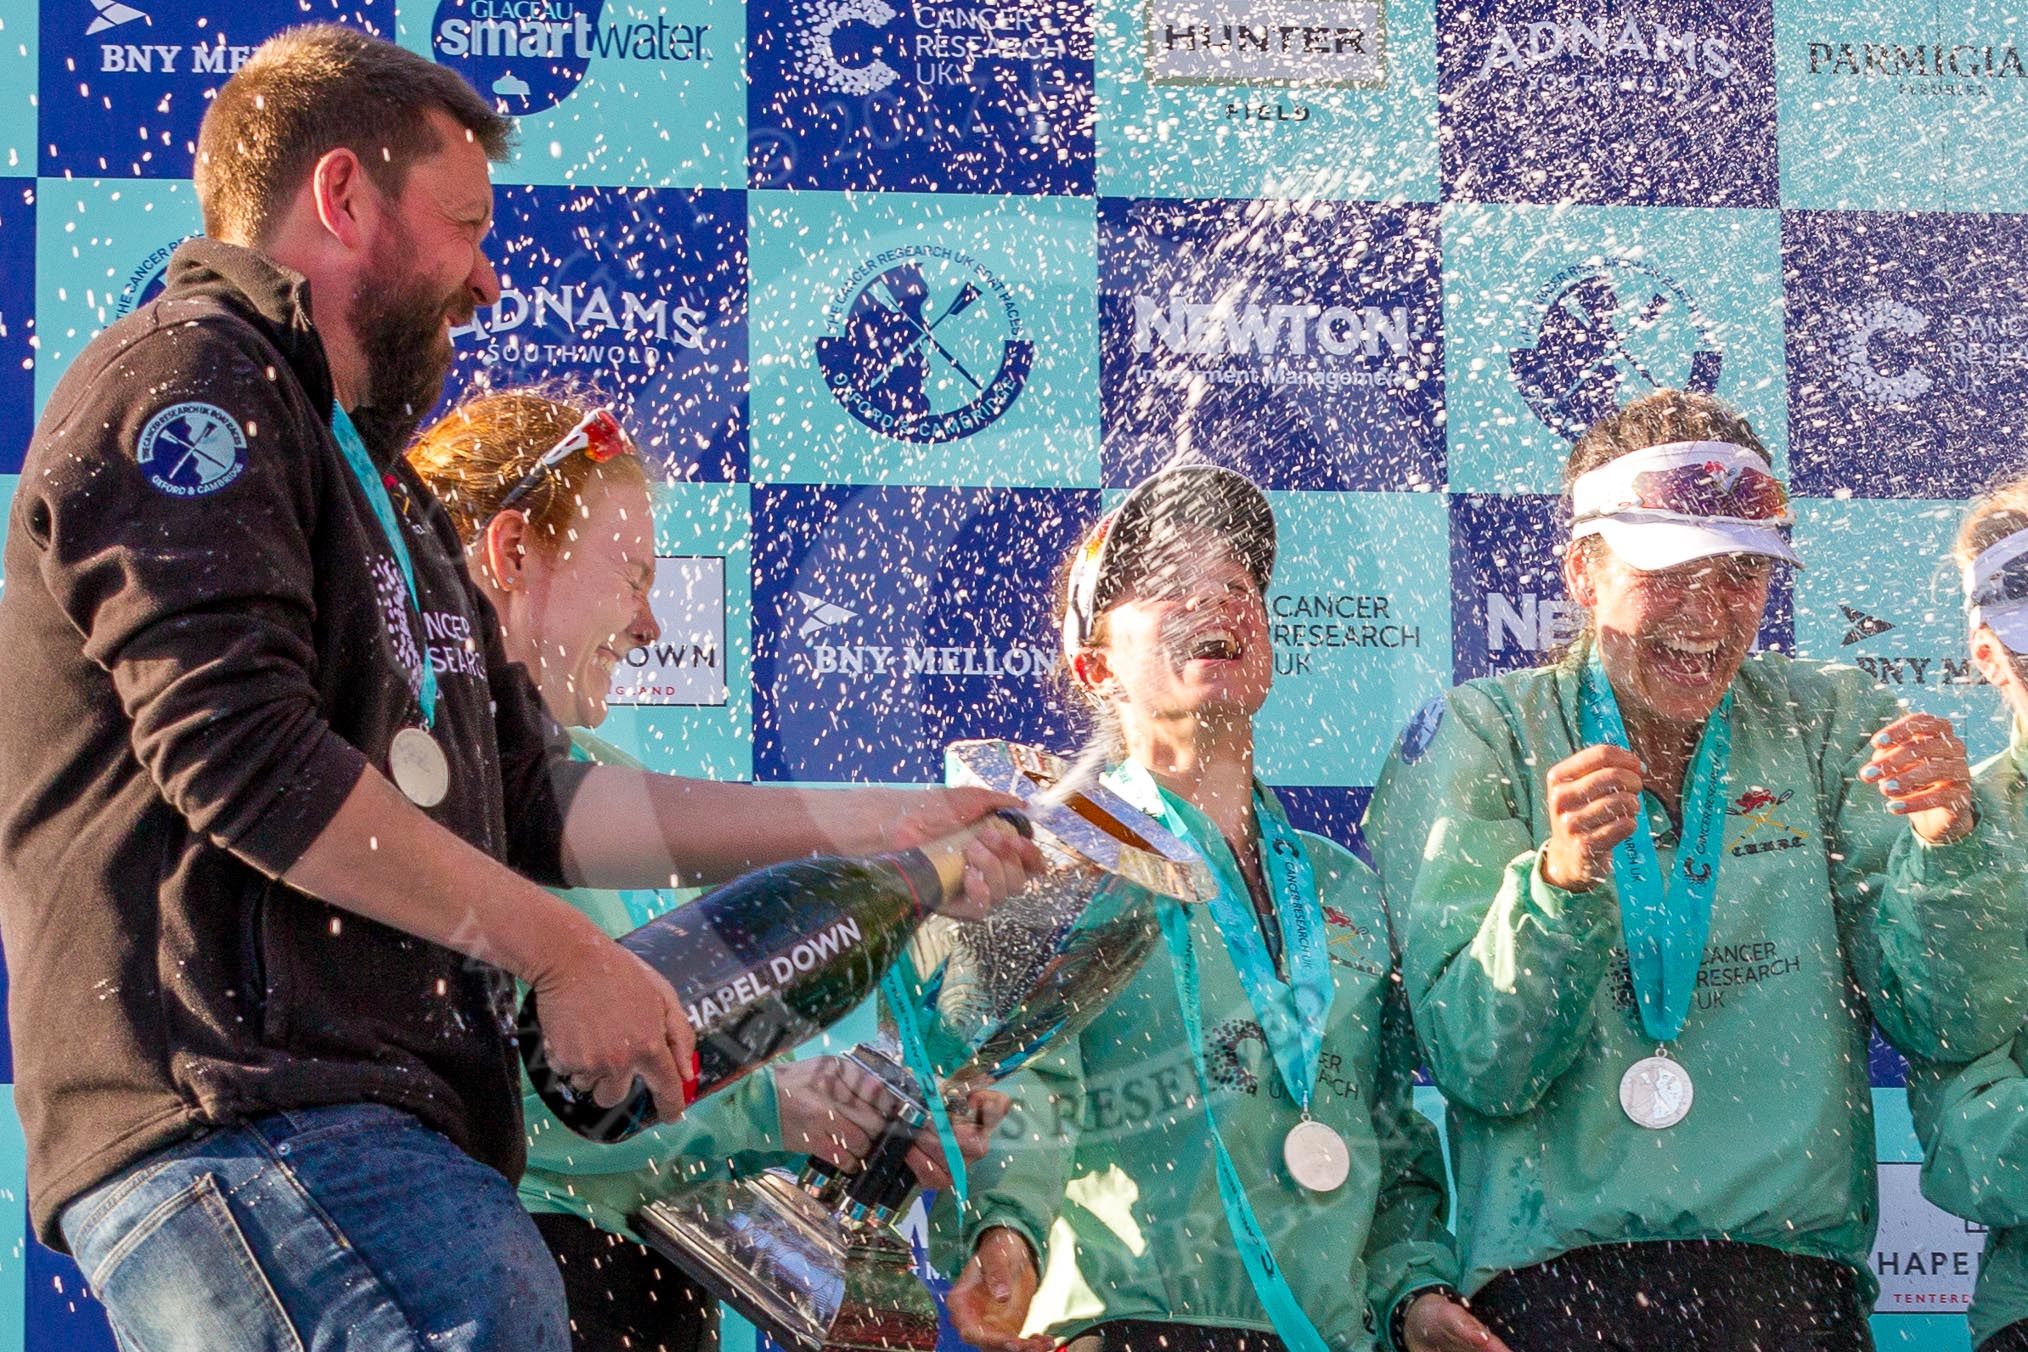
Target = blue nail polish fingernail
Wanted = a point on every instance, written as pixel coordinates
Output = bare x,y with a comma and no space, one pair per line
1892,786
1897,807
1883,740
1870,773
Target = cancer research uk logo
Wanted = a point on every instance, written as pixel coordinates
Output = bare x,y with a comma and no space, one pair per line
925,345
1609,332
1661,102
1907,350
531,55
994,96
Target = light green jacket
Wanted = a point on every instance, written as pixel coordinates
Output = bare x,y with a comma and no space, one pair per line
1828,907
1973,1123
1105,1166
737,1130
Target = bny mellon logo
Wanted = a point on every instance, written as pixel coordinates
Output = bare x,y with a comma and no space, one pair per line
1864,626
819,615
111,14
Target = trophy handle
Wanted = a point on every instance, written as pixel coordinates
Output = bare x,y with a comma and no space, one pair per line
879,1191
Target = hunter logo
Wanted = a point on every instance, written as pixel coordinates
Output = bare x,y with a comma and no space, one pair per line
1610,332
925,346
1267,42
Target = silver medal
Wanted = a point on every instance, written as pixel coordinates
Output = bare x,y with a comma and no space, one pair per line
417,765
1656,1093
1316,1156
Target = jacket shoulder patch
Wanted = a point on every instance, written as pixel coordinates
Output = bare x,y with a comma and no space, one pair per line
191,449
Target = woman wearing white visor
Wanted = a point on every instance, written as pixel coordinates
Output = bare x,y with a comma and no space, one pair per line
1973,1120
1649,895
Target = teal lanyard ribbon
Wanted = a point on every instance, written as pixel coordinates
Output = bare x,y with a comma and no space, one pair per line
1665,924
901,1002
1292,1325
1291,1013
370,484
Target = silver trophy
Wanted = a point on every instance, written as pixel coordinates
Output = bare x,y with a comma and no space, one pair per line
812,1259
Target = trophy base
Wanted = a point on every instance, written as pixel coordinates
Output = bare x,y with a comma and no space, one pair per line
773,1252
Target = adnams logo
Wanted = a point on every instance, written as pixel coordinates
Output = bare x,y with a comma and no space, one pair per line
531,55
1606,50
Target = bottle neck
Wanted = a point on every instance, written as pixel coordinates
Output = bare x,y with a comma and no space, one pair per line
935,872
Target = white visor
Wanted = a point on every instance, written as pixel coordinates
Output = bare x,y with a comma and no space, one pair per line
1996,590
1672,504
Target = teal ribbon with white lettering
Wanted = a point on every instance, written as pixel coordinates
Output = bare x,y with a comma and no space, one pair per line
370,484
1666,924
1291,1013
901,1002
1291,1323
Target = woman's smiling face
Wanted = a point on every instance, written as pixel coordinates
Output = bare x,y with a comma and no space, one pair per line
1189,635
1672,640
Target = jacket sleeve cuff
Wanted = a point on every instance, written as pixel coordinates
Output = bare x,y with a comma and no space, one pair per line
298,804
1400,1273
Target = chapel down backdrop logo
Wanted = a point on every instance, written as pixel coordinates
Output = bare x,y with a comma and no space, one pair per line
926,345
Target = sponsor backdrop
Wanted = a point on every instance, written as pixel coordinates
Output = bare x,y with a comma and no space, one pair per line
899,293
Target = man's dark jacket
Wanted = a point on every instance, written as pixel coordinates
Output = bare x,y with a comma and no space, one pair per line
205,641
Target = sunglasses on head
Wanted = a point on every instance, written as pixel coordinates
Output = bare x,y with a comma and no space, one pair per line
1710,489
597,436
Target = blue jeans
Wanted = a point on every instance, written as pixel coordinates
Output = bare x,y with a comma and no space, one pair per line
351,1227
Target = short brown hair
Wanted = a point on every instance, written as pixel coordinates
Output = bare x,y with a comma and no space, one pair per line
1657,420
475,454
308,91
1992,517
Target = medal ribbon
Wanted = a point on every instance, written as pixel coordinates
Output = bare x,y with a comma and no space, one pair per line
1284,1311
901,998
1665,924
370,484
1291,1013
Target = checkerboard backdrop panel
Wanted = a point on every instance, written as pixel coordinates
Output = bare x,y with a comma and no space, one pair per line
899,293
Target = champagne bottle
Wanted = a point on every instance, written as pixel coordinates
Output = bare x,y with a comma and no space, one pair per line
765,963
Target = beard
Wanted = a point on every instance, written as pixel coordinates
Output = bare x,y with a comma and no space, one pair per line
400,327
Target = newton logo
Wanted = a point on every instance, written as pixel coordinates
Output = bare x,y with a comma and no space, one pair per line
532,54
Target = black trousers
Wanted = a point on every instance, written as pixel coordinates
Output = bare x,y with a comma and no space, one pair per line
1678,1296
1150,1335
2013,1338
625,1297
